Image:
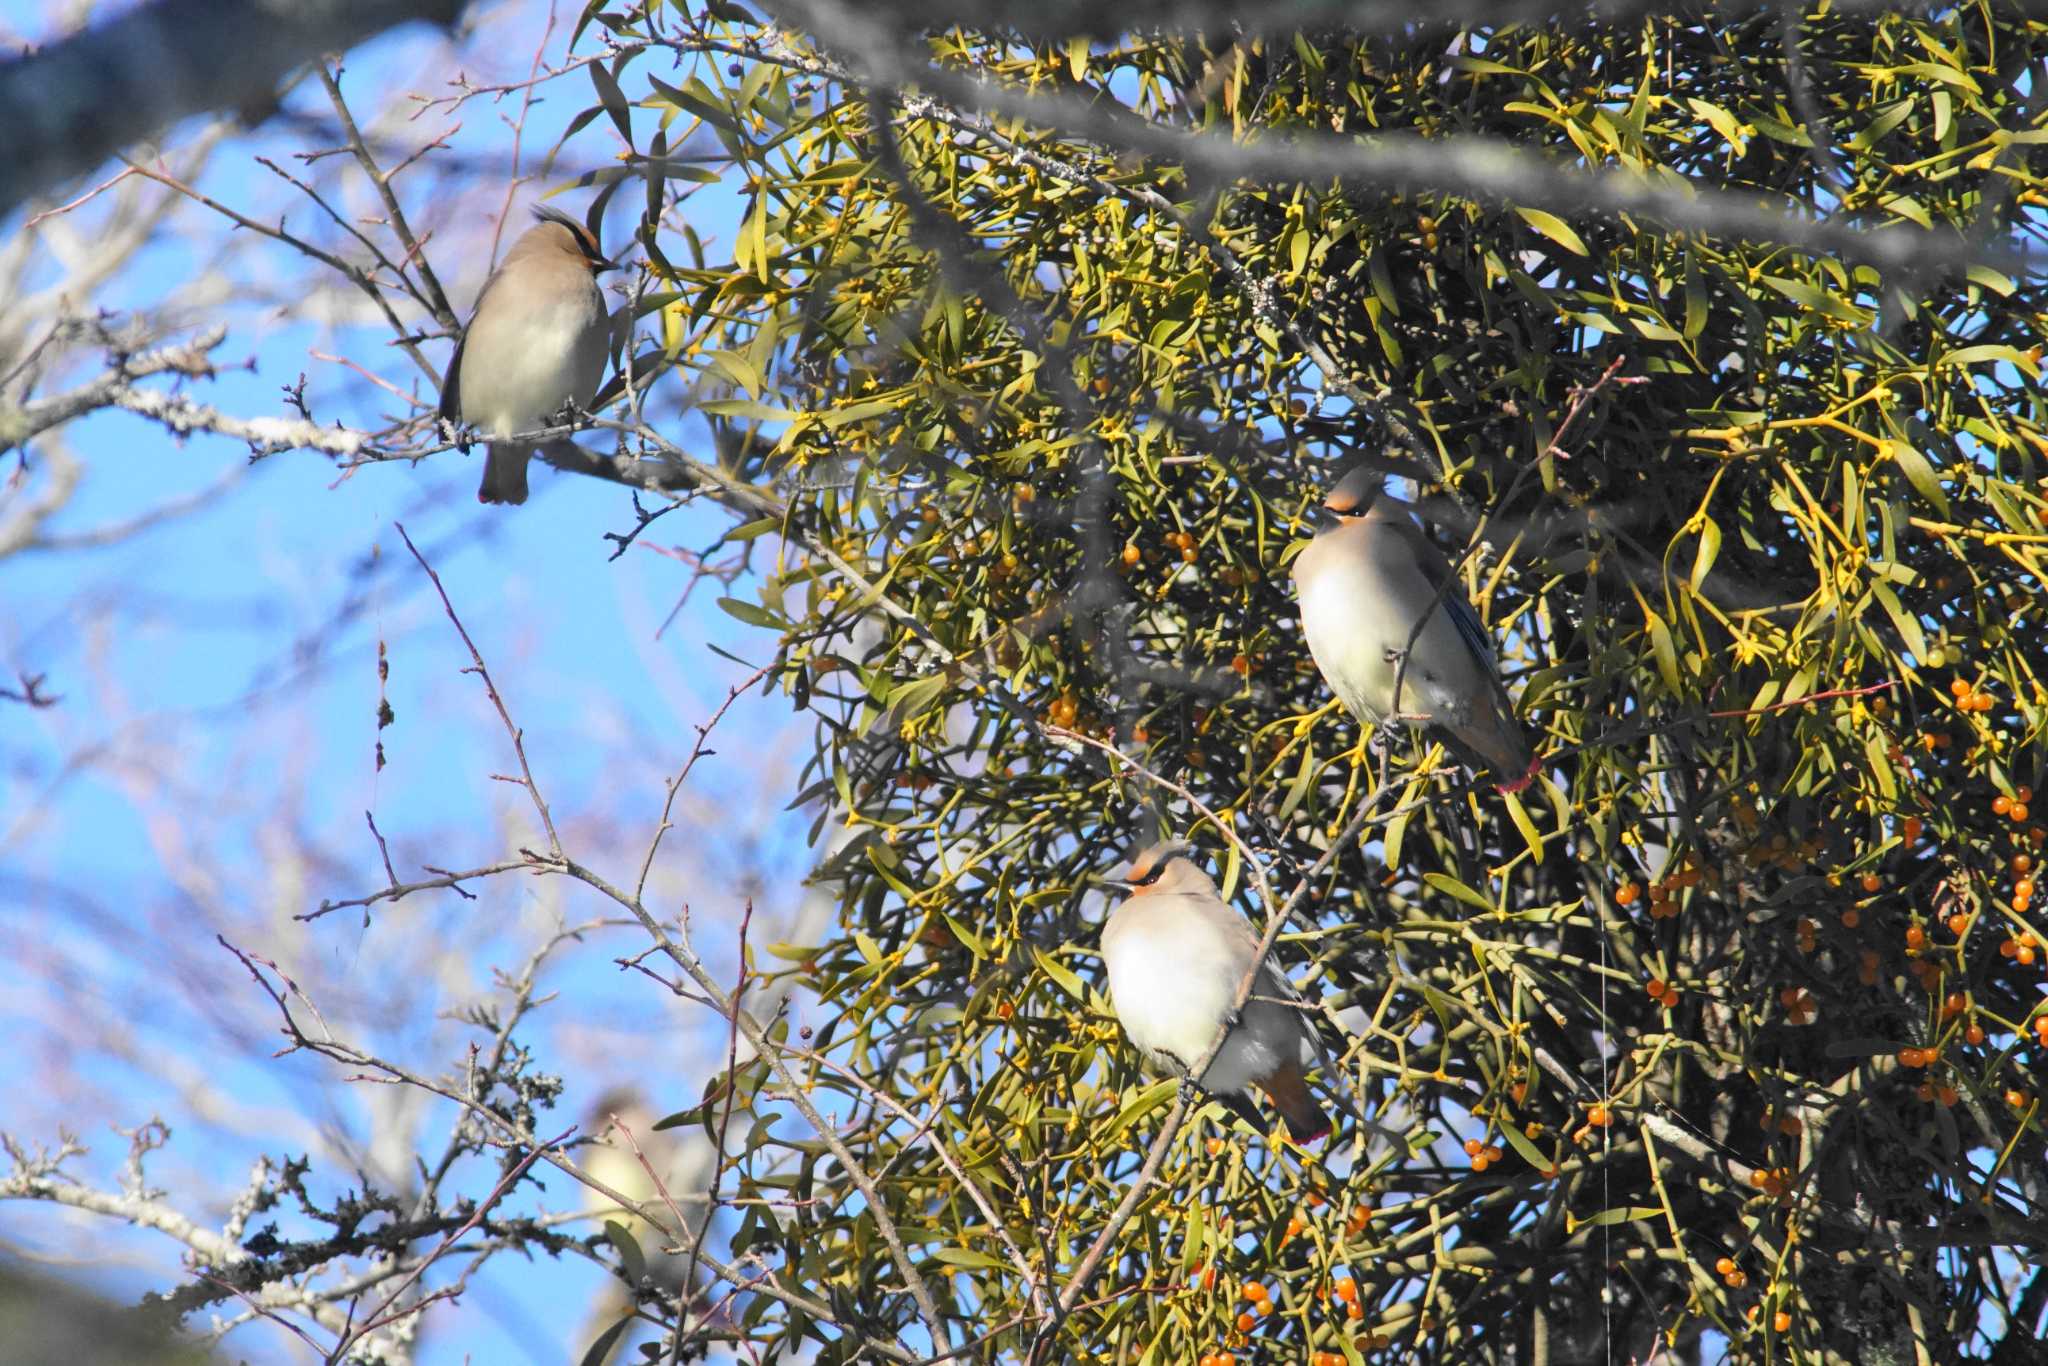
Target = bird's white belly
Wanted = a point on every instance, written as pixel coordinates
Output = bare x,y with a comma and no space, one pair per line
1171,1005
1358,635
1338,610
557,358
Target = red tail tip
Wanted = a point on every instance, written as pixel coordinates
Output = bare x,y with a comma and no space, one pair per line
1528,776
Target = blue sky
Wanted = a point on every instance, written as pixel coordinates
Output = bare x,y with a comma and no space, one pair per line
211,758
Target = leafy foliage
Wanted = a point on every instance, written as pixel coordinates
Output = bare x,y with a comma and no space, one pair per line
1737,1007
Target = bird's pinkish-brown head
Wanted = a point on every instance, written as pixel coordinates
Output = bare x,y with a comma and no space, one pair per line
1165,868
1353,495
558,233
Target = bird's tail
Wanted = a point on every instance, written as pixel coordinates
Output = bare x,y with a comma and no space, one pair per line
1288,1090
1497,740
504,474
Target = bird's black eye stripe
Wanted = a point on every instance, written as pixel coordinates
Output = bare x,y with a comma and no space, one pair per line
1150,876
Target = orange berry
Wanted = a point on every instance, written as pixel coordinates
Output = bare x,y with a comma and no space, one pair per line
1957,688
2021,865
1851,918
1481,1162
2000,804
1347,1289
2023,793
2016,1099
1974,1034
1947,1095
1253,1291
1599,1117
1473,1147
1911,829
1626,894
1959,924
1245,1323
1916,938
1725,1267
1781,1321
2019,811
1669,1000
1871,882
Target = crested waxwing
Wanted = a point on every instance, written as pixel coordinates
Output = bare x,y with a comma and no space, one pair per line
536,342
610,1158
1176,954
1364,582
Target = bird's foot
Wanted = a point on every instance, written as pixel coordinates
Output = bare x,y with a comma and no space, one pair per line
1381,737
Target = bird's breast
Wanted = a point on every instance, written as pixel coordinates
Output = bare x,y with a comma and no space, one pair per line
1171,979
1360,606
526,357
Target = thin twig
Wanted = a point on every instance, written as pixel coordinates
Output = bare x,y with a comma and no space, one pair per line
518,741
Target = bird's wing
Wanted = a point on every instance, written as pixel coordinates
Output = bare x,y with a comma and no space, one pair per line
451,383
451,380
1241,935
1442,580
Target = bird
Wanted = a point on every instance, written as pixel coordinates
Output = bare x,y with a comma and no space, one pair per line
1176,954
536,342
1364,582
631,1168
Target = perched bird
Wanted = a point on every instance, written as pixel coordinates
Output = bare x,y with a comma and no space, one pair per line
612,1159
537,341
1176,954
1365,581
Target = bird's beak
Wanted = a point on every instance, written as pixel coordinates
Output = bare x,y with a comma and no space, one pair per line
1118,883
